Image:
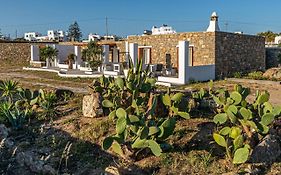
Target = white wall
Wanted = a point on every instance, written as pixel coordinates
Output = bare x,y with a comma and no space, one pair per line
34,53
186,72
78,59
105,56
64,51
133,51
182,67
201,73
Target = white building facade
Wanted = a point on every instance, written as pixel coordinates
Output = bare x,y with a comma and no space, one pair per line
164,29
32,36
52,35
94,37
56,35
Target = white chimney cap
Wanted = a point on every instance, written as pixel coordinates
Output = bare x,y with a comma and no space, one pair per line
214,14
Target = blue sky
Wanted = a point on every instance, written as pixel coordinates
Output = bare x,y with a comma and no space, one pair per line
129,17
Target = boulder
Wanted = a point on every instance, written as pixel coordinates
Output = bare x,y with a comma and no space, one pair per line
92,106
274,73
267,151
4,132
30,161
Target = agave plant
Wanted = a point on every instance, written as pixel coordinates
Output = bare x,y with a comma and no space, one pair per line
9,89
14,114
47,102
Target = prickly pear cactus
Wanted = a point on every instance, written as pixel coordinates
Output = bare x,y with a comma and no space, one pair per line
240,120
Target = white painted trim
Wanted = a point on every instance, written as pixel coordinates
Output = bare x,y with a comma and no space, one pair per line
144,47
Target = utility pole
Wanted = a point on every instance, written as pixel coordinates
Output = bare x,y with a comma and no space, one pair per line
16,34
106,27
226,26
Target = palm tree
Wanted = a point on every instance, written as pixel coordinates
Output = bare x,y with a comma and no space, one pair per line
9,89
48,54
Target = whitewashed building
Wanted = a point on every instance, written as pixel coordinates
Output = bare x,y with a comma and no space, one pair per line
94,37
32,36
56,35
52,35
164,29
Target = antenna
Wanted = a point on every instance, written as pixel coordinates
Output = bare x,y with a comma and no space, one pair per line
106,26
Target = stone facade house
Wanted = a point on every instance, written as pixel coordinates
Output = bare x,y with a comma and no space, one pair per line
229,52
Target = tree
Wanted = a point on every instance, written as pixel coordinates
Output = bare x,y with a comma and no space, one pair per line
269,35
48,53
74,33
93,55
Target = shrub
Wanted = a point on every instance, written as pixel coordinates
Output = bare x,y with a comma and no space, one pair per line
237,75
257,75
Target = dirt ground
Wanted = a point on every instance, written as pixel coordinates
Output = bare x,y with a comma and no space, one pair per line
36,79
194,151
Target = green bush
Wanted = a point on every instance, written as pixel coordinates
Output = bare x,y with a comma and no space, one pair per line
237,75
256,75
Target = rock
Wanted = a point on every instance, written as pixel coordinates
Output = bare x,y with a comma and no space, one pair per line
36,166
274,73
92,106
111,170
8,143
4,132
47,169
25,159
267,151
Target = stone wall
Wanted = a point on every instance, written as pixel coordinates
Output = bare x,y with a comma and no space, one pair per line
272,57
238,53
230,52
14,53
203,46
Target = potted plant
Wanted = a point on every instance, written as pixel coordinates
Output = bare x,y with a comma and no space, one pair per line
48,54
70,59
